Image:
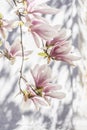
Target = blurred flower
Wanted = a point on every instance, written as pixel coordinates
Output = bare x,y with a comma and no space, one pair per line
14,50
5,25
30,94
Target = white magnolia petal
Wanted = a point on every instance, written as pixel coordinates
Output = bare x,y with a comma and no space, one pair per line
45,31
51,87
15,47
45,9
26,53
40,100
36,39
58,95
7,46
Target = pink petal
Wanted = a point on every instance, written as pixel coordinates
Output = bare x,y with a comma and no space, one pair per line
45,9
15,47
58,95
63,49
45,31
68,58
36,39
39,100
26,53
50,88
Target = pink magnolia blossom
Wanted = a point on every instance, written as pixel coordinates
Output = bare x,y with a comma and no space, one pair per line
43,83
63,53
41,29
39,6
14,50
62,36
30,95
59,48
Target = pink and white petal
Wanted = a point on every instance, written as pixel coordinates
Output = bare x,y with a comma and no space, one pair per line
45,9
50,88
63,58
39,100
33,76
45,31
44,74
47,34
67,58
73,57
38,17
36,39
7,46
30,90
15,47
43,82
58,95
63,50
44,69
26,53
34,3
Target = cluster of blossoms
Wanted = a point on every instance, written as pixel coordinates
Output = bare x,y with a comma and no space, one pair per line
52,40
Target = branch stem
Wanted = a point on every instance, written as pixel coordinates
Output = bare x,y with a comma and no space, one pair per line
22,48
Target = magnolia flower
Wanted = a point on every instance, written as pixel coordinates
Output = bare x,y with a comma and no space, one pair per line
14,50
59,48
62,36
39,6
41,30
43,83
29,94
63,52
5,25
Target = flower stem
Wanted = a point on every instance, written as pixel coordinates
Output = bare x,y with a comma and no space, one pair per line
22,48
21,42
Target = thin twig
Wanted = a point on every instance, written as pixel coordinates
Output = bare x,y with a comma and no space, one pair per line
21,42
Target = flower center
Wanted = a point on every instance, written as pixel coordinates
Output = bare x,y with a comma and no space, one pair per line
39,91
8,56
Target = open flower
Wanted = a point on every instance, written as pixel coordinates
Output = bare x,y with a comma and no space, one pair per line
5,25
43,83
14,50
63,52
59,48
42,88
29,94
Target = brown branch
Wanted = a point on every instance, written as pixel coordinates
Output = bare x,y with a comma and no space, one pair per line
21,42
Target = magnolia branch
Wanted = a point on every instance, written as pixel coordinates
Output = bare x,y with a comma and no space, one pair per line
21,42
22,48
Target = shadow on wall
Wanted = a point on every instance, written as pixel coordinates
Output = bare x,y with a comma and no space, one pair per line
9,112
